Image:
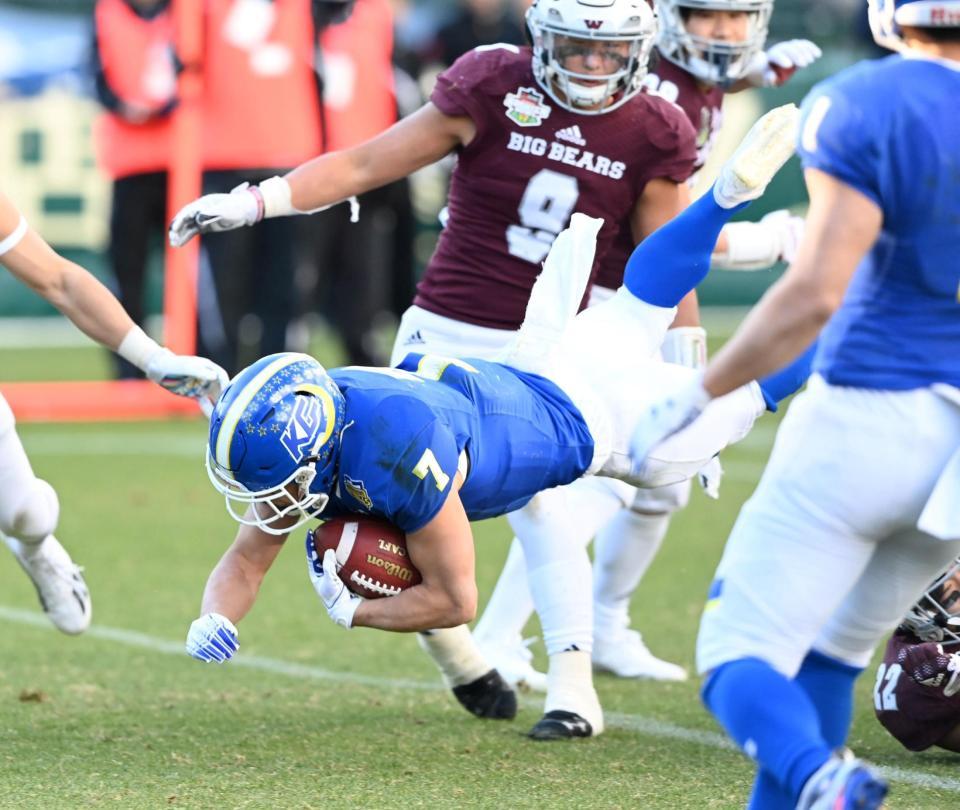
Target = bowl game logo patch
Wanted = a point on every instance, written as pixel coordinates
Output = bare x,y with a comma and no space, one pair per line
525,107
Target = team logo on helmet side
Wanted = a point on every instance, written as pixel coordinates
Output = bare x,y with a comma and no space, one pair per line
525,107
310,417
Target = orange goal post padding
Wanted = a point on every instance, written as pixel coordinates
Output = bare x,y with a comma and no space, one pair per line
139,399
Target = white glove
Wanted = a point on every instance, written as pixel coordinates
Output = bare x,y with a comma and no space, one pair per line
774,67
339,601
685,346
664,418
212,638
759,245
187,375
709,478
788,229
213,213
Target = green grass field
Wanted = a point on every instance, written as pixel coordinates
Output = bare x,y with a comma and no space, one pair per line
309,715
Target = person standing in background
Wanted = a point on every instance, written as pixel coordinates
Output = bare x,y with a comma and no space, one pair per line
135,73
476,23
261,116
360,277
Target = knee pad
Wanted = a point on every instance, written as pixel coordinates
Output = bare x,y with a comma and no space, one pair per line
36,515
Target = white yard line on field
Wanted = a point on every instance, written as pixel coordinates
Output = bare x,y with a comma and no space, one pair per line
627,722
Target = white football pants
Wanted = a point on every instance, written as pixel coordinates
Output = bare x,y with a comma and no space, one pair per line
29,508
827,554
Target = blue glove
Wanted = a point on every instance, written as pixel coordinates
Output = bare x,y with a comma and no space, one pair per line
212,638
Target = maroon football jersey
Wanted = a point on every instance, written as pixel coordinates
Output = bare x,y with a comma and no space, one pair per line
916,715
702,105
529,167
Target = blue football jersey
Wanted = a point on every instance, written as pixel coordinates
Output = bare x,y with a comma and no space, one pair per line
408,430
891,129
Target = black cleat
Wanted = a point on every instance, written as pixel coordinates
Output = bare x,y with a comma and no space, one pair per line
489,696
560,725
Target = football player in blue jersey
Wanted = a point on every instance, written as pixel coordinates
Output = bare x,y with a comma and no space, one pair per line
857,510
438,442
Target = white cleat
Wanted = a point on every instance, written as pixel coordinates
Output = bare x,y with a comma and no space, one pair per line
62,591
762,152
513,660
623,653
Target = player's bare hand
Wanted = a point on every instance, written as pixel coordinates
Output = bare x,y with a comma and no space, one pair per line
214,213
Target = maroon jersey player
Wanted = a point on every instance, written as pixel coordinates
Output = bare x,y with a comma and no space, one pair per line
529,166
917,691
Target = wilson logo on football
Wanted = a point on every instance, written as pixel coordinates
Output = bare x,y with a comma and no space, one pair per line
300,434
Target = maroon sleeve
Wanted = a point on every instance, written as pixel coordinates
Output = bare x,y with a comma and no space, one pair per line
666,139
918,716
676,141
461,88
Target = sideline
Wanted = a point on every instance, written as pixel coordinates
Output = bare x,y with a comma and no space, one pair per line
627,722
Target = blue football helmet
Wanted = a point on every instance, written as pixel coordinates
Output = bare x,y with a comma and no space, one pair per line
886,17
274,442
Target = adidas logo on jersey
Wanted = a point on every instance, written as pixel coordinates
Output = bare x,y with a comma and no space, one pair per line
416,337
571,134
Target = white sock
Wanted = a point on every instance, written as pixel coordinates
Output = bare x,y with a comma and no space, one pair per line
455,653
562,595
623,551
570,687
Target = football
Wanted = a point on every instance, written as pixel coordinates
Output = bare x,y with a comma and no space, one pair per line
371,554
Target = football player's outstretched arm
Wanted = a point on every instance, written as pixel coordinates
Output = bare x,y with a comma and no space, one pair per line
410,144
96,311
447,595
234,583
230,592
